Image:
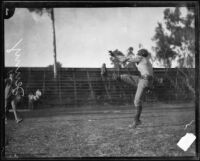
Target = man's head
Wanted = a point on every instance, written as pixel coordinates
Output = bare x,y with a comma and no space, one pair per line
143,52
130,49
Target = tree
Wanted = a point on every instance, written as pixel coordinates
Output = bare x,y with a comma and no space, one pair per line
117,64
176,42
114,58
50,12
58,66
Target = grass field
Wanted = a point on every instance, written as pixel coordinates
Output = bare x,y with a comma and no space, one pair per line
101,131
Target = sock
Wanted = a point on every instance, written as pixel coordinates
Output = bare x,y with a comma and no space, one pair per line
138,113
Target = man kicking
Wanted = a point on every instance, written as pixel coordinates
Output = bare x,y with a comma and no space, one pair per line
144,81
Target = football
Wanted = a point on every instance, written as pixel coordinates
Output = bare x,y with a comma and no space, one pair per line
35,97
38,93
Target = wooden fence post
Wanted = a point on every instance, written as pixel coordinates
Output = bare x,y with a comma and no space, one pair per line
92,95
75,89
43,86
60,94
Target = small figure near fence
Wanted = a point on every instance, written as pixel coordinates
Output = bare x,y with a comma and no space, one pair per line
104,72
144,81
12,95
33,98
130,51
130,65
105,79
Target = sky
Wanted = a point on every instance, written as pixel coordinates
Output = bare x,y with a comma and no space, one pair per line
83,35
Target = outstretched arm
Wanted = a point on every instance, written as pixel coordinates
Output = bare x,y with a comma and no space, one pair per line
134,59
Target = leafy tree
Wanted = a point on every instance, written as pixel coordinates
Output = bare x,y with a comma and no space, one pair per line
176,40
58,65
117,64
114,58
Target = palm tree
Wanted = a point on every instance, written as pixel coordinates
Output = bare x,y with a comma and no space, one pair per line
50,12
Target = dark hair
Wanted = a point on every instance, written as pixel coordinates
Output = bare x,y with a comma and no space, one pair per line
143,52
130,48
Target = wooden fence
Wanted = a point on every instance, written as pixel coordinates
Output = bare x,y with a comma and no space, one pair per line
80,86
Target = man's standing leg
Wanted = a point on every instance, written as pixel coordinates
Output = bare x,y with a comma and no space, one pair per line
138,102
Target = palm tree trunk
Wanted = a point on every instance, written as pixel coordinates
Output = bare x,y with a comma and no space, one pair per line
54,43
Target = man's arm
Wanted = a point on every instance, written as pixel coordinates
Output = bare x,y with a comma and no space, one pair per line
135,59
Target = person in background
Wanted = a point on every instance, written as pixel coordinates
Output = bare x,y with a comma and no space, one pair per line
104,76
11,97
104,72
130,65
130,51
